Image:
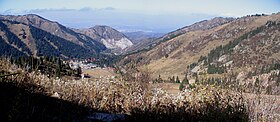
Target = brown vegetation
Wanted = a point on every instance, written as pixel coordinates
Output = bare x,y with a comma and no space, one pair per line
199,104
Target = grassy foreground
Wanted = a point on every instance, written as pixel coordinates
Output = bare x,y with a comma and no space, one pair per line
30,96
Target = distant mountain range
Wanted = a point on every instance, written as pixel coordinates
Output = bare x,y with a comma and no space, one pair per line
33,35
139,36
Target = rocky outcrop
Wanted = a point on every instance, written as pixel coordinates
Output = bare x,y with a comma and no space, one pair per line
110,37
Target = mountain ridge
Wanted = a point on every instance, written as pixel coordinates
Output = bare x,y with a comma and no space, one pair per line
173,56
21,26
201,25
55,29
36,42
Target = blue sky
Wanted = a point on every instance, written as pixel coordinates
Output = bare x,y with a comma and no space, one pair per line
132,15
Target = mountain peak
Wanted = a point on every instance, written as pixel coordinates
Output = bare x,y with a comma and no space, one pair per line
101,26
38,30
107,32
34,16
109,36
33,19
208,24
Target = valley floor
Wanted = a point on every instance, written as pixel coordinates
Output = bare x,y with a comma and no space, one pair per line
100,73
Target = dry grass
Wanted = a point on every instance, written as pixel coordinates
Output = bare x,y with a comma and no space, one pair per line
171,88
264,107
97,73
203,103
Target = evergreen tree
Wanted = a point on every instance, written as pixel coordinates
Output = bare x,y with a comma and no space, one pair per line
278,80
159,79
181,87
257,85
186,80
191,86
177,80
172,80
79,71
257,82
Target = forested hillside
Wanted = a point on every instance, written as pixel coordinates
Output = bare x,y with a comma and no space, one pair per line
19,39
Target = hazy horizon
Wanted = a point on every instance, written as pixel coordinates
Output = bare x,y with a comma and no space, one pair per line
158,16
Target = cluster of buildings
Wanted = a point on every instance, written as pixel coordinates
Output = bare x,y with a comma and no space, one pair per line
84,64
